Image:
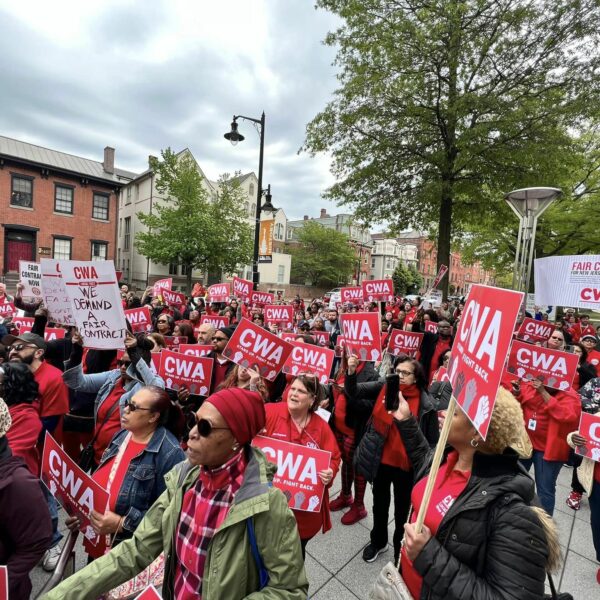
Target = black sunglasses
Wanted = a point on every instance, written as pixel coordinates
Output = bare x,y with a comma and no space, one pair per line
205,427
132,406
123,363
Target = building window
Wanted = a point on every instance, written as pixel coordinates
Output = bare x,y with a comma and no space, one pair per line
100,207
99,250
251,190
253,210
372,263
127,236
280,273
62,249
289,233
173,268
246,205
22,191
185,269
63,199
128,195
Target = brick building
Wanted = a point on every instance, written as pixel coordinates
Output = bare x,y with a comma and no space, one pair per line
461,276
57,205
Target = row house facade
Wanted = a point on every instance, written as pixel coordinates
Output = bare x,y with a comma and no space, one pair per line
388,252
56,205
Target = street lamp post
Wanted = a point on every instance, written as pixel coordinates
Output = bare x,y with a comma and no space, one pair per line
528,204
234,137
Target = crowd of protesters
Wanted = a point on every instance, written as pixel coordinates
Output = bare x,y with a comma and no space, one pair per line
212,523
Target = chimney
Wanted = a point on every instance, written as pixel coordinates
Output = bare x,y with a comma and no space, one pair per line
109,160
306,217
323,213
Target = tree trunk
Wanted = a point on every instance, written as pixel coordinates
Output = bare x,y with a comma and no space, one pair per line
444,234
188,279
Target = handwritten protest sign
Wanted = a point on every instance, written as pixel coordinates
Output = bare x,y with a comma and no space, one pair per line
174,341
7,309
195,349
219,292
3,583
352,295
179,370
589,428
54,293
215,320
404,342
297,471
361,335
30,275
253,347
378,290
308,358
261,298
139,319
96,301
160,285
176,300
242,288
535,331
479,351
77,492
554,368
282,316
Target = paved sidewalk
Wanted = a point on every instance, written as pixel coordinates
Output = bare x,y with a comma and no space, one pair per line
336,570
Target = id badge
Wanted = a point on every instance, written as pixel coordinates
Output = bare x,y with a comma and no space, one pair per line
532,424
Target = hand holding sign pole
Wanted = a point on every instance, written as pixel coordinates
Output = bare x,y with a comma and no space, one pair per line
476,366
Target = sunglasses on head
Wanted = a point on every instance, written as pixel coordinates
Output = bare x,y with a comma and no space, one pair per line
205,427
132,406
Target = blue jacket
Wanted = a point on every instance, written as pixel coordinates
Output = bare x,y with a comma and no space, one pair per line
144,481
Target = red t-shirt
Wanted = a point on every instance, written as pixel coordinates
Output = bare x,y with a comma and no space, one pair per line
219,374
53,393
449,485
535,416
107,431
24,433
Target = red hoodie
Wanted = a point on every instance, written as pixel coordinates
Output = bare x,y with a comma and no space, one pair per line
24,433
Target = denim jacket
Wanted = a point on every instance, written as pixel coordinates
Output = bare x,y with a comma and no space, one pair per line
144,481
102,383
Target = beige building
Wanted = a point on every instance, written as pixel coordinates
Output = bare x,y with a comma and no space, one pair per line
387,253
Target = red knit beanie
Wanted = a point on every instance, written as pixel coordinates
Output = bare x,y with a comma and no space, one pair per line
243,411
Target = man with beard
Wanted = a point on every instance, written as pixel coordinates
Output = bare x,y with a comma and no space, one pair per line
205,333
53,403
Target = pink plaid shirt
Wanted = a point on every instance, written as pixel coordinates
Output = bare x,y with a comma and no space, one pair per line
204,509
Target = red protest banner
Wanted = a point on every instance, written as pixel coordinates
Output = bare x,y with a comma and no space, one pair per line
479,351
589,428
192,372
442,374
160,285
431,326
282,316
219,292
54,333
261,298
443,270
215,320
535,331
554,368
139,319
242,288
175,299
288,336
361,335
78,493
23,324
195,349
253,347
322,337
7,309
3,583
404,342
340,346
352,295
173,341
308,358
149,593
297,471
378,290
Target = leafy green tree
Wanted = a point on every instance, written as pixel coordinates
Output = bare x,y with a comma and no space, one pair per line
189,229
445,105
407,280
322,256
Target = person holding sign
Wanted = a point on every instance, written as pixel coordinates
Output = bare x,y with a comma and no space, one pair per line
226,532
133,467
481,538
26,529
294,421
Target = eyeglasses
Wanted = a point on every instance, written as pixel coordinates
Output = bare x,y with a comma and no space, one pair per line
132,406
123,363
205,427
405,373
19,347
219,339
162,321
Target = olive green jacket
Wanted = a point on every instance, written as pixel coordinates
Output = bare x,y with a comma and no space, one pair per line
230,570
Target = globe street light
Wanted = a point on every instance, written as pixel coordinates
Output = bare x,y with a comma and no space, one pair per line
234,136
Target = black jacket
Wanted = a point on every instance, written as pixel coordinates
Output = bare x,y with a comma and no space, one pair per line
427,350
490,545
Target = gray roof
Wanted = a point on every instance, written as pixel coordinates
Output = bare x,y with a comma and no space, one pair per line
61,161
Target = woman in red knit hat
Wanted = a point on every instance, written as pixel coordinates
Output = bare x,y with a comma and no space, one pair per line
295,421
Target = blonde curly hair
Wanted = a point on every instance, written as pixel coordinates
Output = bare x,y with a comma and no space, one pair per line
507,428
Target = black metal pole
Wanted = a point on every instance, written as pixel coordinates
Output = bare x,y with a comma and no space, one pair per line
258,203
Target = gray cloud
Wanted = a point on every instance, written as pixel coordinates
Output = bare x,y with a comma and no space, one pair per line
114,91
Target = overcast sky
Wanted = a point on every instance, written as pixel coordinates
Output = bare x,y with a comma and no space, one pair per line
143,75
